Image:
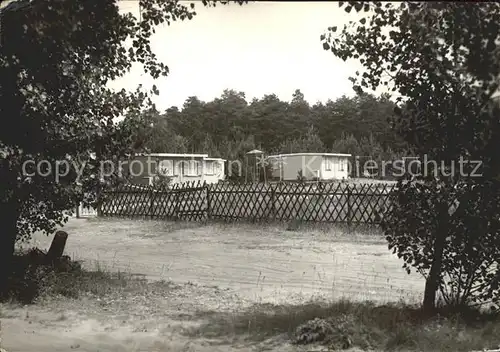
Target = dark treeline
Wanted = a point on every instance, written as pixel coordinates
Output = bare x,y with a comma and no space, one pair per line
229,126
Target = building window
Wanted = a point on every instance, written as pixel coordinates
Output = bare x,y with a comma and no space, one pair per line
198,168
183,167
165,168
209,168
342,164
328,164
191,168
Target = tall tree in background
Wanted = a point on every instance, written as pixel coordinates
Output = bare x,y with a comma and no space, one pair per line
347,144
338,117
280,125
267,118
154,133
298,116
443,60
190,124
226,115
307,143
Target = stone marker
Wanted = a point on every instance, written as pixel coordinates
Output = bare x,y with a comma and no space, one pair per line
56,249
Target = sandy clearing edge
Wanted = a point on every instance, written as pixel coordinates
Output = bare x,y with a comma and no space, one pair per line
250,264
260,263
151,323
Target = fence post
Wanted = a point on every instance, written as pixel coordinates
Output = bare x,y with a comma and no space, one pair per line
273,206
100,199
151,202
207,187
99,209
349,208
176,205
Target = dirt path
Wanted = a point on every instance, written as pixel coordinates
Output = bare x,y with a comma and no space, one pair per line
232,267
158,321
261,264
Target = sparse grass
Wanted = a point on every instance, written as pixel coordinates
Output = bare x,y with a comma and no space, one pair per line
364,325
98,283
338,325
157,228
31,279
343,323
336,230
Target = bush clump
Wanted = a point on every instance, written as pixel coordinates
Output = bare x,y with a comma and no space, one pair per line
33,274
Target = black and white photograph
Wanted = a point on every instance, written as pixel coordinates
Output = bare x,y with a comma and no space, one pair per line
243,176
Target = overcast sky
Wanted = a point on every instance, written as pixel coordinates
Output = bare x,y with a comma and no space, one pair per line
260,48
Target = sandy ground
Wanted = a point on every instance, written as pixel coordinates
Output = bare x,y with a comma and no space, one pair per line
215,268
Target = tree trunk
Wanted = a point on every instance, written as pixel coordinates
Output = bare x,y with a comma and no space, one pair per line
9,215
432,282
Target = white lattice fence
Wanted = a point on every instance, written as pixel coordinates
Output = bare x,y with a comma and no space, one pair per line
83,212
